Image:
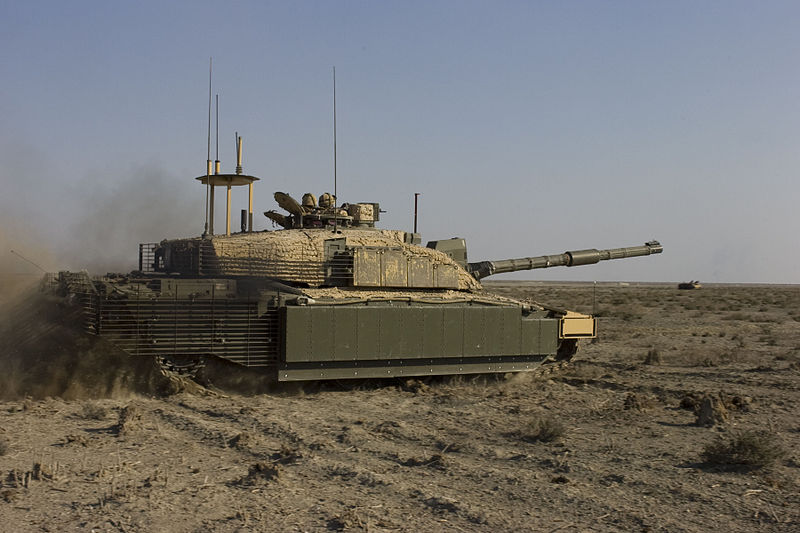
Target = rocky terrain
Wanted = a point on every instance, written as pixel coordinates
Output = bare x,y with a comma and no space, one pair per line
682,416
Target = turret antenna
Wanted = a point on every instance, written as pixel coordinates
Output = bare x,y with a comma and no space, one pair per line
334,132
208,155
335,195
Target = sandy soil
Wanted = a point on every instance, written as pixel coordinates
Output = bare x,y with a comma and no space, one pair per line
449,454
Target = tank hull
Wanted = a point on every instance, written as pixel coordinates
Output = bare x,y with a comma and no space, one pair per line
294,334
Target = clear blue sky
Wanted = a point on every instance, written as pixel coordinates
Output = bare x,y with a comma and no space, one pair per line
528,127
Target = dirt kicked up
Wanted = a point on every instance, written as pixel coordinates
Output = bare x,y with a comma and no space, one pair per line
43,353
681,417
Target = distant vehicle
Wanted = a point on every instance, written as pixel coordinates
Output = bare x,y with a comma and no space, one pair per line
689,285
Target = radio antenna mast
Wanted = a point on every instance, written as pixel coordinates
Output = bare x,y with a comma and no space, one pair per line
334,132
208,154
335,195
216,161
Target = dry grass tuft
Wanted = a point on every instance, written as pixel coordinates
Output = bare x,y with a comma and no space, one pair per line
243,441
745,451
712,411
286,455
349,519
259,473
5,446
543,429
639,402
653,357
130,420
93,411
436,461
415,386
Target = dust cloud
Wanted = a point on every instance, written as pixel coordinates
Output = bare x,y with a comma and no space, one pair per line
92,219
149,205
91,224
23,260
43,352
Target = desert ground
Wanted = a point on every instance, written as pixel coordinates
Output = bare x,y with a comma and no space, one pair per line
618,440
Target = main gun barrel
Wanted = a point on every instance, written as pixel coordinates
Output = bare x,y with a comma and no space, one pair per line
591,256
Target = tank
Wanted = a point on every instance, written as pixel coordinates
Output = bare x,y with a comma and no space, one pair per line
327,295
690,285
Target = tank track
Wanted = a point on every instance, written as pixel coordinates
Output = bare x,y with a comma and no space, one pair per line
549,369
181,367
560,363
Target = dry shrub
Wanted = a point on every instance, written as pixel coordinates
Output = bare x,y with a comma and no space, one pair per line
130,420
74,439
415,386
260,473
712,411
746,450
286,455
243,441
733,402
93,411
639,402
349,519
543,429
436,461
653,357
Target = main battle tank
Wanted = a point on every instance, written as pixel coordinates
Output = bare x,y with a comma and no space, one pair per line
328,296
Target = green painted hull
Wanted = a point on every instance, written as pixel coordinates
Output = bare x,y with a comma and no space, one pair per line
323,342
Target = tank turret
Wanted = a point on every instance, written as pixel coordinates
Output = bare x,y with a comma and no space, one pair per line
309,253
